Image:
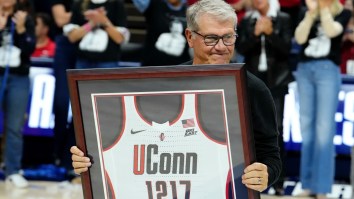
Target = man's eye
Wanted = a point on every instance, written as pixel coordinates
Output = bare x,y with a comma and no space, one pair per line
211,38
227,36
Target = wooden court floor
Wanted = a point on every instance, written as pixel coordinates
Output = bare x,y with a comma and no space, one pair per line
42,190
65,190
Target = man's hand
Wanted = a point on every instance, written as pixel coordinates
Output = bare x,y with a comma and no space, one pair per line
80,162
256,176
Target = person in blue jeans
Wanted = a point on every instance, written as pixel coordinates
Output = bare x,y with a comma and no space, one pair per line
17,43
318,78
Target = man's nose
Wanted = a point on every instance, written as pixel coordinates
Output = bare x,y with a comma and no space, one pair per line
220,44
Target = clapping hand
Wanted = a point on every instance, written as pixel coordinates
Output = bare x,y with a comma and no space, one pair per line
312,5
263,25
96,16
324,3
3,18
19,19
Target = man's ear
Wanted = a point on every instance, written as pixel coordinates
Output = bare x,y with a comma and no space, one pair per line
189,35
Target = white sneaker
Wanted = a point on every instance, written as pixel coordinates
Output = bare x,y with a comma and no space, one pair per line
17,180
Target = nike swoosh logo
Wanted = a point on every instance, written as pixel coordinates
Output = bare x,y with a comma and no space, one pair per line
135,132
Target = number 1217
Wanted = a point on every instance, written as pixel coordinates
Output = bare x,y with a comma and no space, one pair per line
161,189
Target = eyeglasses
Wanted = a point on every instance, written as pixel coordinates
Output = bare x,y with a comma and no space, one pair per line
212,40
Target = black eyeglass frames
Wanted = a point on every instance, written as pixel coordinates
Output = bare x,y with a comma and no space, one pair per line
212,40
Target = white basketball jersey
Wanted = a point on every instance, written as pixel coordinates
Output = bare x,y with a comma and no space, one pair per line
170,160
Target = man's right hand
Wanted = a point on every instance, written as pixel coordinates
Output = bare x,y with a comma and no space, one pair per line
80,162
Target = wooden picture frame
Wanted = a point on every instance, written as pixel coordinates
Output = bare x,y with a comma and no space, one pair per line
119,117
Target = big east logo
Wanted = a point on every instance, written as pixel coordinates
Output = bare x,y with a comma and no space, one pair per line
190,132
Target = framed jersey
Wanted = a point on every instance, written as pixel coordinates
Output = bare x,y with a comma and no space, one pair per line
163,132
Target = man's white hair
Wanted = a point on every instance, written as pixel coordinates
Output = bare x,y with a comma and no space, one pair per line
219,9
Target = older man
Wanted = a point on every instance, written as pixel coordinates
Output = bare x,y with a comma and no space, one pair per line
265,40
211,32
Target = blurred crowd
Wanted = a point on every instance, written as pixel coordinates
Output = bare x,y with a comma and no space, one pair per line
280,41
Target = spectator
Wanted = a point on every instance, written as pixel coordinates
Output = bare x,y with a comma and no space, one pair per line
17,44
99,28
64,58
265,39
318,78
45,47
164,43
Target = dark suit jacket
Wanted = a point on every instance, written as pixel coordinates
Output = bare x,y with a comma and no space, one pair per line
277,47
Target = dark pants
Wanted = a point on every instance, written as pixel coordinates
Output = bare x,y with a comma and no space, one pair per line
279,105
64,137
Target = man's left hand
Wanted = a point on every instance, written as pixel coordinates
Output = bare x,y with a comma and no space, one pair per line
256,176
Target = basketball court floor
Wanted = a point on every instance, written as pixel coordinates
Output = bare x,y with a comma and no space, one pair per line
65,190
42,190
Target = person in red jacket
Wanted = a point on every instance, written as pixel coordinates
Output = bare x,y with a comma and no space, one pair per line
45,47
